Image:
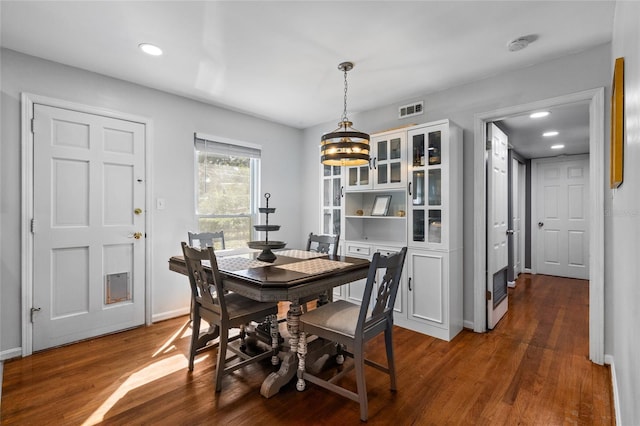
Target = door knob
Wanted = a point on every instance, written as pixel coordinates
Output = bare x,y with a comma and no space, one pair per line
540,224
509,231
137,210
136,235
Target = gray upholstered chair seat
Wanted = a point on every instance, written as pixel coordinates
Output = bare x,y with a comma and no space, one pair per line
240,306
339,317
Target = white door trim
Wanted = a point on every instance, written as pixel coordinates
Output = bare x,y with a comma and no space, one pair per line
534,202
595,97
26,255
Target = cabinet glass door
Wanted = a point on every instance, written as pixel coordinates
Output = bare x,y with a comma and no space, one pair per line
434,182
358,177
427,198
389,161
331,199
435,147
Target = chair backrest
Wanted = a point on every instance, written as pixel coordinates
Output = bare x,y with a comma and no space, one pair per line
323,243
387,291
206,287
207,239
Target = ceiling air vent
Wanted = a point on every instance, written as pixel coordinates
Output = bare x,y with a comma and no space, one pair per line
411,109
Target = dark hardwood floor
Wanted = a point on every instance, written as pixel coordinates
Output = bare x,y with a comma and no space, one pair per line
532,369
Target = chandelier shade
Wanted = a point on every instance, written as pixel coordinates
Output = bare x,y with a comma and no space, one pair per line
345,146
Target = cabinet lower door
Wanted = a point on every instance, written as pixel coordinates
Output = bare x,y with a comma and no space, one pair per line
427,292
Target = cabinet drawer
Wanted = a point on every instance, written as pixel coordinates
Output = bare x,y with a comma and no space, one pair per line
388,251
358,250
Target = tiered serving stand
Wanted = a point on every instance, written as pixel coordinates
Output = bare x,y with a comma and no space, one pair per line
266,246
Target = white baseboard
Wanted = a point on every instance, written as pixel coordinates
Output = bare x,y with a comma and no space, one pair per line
527,270
170,314
11,353
608,359
468,324
511,284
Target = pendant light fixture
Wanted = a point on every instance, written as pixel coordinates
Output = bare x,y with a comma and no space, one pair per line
345,146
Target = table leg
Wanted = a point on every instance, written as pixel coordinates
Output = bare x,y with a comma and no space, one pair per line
302,355
289,364
273,321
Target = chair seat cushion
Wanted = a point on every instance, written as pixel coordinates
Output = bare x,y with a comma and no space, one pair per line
338,317
239,306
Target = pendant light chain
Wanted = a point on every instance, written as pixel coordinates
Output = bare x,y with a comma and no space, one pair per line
344,114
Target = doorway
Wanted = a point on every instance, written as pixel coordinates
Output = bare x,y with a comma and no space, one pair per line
85,252
595,98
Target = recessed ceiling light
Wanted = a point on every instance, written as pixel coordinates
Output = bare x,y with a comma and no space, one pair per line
550,134
539,114
150,49
558,146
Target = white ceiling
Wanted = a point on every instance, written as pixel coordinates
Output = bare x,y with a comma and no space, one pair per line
570,121
278,60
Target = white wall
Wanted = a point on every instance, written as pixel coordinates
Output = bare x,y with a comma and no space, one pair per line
175,119
574,73
622,224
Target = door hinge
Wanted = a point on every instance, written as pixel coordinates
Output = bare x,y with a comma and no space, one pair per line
488,145
488,295
34,225
33,125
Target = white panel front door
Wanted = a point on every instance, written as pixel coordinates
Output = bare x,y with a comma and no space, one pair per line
562,240
89,201
497,213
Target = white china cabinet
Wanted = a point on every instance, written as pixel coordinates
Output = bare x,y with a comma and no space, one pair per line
421,208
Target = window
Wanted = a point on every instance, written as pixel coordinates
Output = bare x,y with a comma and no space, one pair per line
227,188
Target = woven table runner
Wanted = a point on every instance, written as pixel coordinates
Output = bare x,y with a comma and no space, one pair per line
314,266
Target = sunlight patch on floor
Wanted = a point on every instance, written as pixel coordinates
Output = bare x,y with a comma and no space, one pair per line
181,333
147,375
150,373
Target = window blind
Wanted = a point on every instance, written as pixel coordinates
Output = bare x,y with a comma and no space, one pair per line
222,146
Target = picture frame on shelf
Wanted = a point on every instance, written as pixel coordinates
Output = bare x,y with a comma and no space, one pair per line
381,205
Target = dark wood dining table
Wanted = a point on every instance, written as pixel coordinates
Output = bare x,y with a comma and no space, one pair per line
292,276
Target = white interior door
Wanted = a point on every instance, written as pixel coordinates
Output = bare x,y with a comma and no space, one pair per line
517,212
562,225
89,193
497,213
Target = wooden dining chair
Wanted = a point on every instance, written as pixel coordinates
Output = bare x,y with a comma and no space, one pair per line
352,326
225,310
207,239
322,244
